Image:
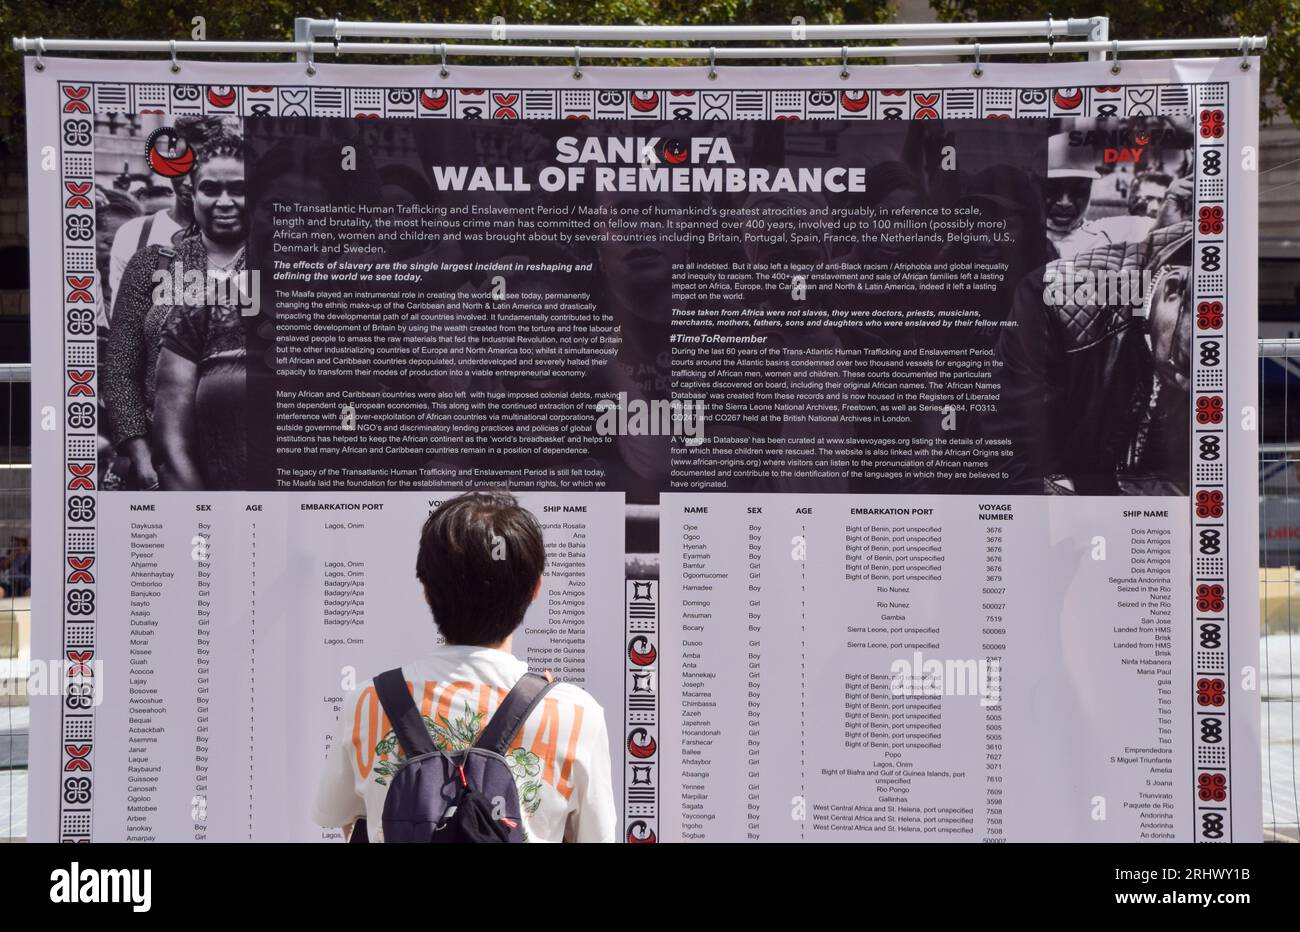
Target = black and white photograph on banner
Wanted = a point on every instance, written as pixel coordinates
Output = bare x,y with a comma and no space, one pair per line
172,229
1095,370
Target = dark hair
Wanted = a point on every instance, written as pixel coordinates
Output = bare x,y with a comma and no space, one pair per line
220,145
481,556
198,129
153,190
109,202
1155,176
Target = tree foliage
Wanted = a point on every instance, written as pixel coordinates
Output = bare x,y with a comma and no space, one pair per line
1175,19
273,19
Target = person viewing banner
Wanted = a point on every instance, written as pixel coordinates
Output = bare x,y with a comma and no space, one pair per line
890,429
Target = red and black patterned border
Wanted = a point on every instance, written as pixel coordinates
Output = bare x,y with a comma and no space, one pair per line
1210,654
584,104
80,478
79,102
641,712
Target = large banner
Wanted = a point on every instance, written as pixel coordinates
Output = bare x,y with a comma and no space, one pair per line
893,435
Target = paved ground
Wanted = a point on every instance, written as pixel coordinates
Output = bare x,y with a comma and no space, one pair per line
13,772
13,736
13,805
1279,721
1279,770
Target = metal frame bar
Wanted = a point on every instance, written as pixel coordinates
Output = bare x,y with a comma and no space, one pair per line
314,37
214,47
1279,349
790,32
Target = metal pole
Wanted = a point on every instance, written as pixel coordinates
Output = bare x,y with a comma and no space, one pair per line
1100,33
1274,349
190,47
302,33
775,33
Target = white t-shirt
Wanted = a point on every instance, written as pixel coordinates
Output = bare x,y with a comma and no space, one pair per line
1126,228
126,243
561,765
1085,236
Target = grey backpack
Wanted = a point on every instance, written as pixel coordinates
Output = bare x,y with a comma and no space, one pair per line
466,796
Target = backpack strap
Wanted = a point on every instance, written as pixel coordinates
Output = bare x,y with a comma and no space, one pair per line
514,710
146,229
164,258
400,708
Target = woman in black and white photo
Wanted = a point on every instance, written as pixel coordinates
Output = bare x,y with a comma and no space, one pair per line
134,321
198,440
